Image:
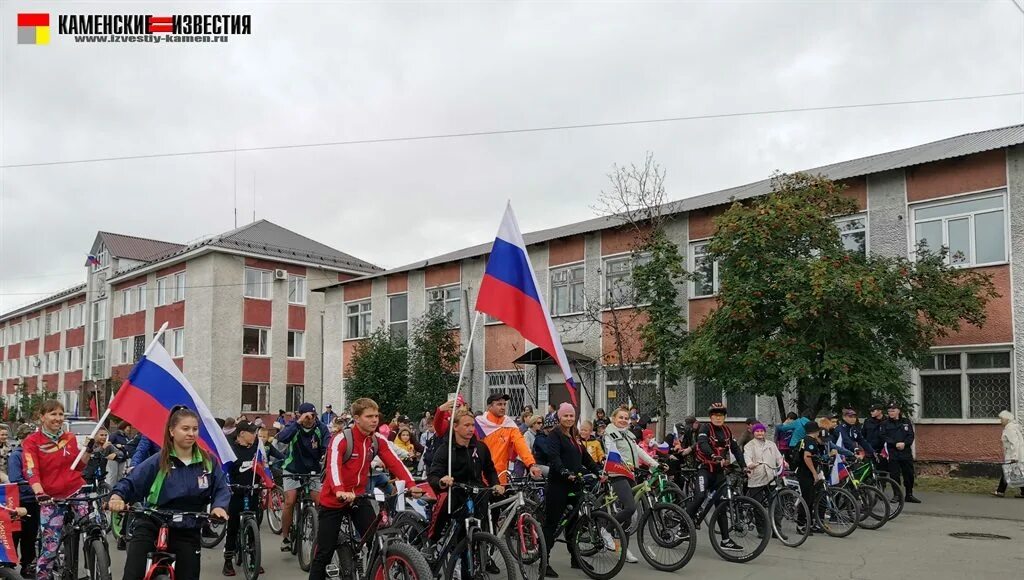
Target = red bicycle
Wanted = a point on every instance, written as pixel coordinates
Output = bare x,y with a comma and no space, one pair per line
160,562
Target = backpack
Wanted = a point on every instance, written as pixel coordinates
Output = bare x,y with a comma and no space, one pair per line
349,442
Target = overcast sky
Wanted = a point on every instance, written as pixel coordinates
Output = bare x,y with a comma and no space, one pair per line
333,71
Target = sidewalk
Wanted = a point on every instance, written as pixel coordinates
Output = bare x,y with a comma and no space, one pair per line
965,505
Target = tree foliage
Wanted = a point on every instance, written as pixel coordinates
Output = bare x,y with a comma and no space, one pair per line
796,308
379,371
433,362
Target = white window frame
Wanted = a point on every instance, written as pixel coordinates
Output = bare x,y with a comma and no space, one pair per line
264,345
178,343
848,218
126,301
964,372
162,286
970,216
76,315
296,281
605,286
52,362
52,325
555,271
446,300
125,348
298,341
16,333
391,317
32,328
364,318
263,393
3,336
692,265
104,260
180,280
266,286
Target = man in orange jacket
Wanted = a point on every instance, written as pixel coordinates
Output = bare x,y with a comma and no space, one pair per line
498,431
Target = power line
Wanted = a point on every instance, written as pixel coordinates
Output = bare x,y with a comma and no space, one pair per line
513,131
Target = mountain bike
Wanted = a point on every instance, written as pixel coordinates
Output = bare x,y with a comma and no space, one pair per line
273,504
465,544
786,509
596,540
88,531
874,506
664,532
512,519
303,532
865,471
247,549
735,517
160,562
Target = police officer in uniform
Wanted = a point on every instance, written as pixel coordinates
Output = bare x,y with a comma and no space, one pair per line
898,434
811,453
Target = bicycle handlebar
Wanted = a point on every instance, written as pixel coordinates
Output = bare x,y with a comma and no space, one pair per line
168,515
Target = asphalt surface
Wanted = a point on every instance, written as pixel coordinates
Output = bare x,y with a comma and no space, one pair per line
915,545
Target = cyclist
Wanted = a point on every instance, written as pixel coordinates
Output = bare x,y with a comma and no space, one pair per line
617,436
306,438
567,457
714,443
182,477
125,440
347,474
243,472
813,455
898,433
852,434
763,462
26,538
102,452
48,455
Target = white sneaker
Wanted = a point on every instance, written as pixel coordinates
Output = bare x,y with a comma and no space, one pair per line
609,542
630,557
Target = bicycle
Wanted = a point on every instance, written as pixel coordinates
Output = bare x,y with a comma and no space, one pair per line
525,538
247,548
663,527
742,517
160,562
89,530
302,533
273,504
836,510
874,506
866,472
380,552
595,533
786,509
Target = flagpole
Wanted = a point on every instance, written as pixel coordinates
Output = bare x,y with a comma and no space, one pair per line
106,412
455,406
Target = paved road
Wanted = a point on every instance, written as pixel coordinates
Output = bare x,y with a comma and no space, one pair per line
916,545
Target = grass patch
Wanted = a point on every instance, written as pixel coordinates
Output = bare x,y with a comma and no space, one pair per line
977,485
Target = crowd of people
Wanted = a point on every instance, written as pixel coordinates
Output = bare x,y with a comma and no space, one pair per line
356,451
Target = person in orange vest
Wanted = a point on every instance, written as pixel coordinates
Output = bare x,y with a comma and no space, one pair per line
498,431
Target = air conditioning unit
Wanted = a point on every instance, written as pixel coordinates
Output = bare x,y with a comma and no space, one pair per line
435,296
280,274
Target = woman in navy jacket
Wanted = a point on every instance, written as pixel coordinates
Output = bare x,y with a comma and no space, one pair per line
182,477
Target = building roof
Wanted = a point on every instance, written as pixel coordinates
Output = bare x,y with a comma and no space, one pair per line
273,241
949,148
134,247
58,297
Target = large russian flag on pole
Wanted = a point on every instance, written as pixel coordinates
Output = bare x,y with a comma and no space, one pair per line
510,293
154,386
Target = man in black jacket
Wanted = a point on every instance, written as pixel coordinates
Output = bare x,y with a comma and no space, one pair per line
243,472
898,434
873,435
714,444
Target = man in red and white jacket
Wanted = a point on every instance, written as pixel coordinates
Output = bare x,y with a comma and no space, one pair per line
349,455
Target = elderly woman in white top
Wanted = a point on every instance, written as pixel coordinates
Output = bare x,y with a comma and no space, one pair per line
763,461
618,437
1013,449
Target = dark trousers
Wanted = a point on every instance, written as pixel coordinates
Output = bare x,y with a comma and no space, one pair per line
1001,489
556,501
707,482
330,519
234,520
25,540
182,542
623,489
808,491
903,469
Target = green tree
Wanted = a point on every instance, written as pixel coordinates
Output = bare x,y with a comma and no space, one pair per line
30,403
796,308
379,370
434,356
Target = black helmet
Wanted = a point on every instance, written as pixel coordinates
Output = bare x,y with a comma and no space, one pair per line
717,409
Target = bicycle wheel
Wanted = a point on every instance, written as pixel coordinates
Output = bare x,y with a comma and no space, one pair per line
739,529
249,550
670,493
403,562
598,544
837,511
98,558
893,492
218,529
486,558
65,565
343,563
525,540
874,507
786,512
308,525
413,528
666,537
275,508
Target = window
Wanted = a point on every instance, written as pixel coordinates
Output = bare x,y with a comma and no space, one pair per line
618,280
3,370
296,344
75,318
178,343
259,283
99,319
739,405
704,270
16,334
357,319
133,299
179,286
632,386
853,232
52,323
256,341
3,336
52,362
141,297
296,290
162,295
511,383
294,395
125,354
68,364
32,329
103,260
398,317
567,290
446,300
126,301
974,230
254,397
966,385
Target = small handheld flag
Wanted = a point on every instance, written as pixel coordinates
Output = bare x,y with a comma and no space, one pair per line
614,465
8,553
839,471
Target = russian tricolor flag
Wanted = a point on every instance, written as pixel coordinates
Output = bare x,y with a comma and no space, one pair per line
614,465
9,502
510,293
154,386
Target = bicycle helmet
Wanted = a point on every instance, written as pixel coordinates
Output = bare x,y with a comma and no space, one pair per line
717,409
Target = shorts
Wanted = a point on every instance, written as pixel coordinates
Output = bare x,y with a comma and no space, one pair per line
291,483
